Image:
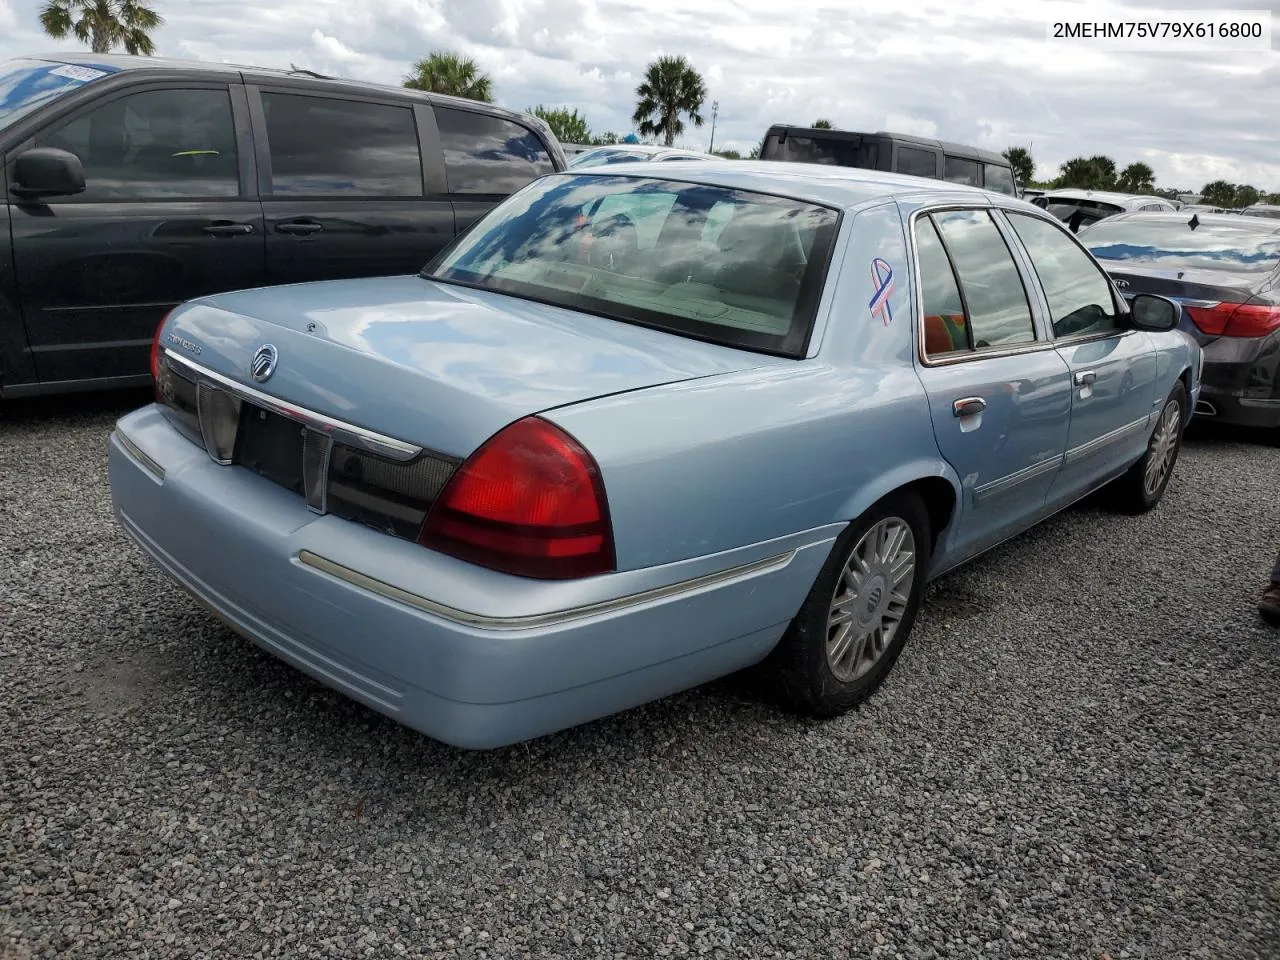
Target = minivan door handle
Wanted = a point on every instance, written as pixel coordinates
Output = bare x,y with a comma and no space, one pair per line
299,228
225,228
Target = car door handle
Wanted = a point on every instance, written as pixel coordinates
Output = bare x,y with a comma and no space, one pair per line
1084,378
299,228
227,229
968,406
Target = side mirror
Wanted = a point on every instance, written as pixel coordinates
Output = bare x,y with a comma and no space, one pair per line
46,172
1151,312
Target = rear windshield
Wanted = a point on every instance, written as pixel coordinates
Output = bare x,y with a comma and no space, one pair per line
1080,213
27,85
833,151
730,266
1173,244
600,158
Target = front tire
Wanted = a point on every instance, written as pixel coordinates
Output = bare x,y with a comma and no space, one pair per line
859,612
1142,487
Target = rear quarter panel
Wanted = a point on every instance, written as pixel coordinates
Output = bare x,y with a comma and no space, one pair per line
705,466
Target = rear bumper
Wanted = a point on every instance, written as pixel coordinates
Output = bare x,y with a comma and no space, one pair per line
470,657
1241,382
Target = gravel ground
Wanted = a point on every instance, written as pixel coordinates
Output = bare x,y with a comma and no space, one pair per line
1077,756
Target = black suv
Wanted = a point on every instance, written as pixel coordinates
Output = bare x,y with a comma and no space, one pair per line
132,184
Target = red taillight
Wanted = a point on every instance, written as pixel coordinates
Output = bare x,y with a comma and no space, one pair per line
155,349
1235,319
529,502
1253,320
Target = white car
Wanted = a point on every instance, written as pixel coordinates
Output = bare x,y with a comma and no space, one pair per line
1079,208
632,152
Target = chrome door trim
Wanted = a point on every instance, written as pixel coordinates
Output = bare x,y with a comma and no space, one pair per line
1097,444
1002,485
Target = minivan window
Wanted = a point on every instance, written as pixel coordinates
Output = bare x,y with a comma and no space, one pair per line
632,249
324,147
959,170
154,145
484,154
862,152
999,179
27,85
917,163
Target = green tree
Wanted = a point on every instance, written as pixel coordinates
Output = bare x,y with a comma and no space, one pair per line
448,73
822,125
1136,178
1247,195
728,154
1272,198
103,24
755,153
1088,173
1219,193
1024,168
671,88
605,139
569,126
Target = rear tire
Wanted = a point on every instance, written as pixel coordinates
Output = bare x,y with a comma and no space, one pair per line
859,612
1143,485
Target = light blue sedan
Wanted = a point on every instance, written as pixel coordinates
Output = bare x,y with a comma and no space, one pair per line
640,428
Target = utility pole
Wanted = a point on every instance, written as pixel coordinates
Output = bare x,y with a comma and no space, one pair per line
715,109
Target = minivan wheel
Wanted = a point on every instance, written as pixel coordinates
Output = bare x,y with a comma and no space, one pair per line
1143,485
859,612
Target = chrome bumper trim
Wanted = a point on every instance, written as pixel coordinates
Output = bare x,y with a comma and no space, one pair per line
554,618
341,431
134,451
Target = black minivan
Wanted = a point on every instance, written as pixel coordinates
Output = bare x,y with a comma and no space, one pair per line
132,184
897,152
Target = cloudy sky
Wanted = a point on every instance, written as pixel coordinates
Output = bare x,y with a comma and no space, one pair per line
980,73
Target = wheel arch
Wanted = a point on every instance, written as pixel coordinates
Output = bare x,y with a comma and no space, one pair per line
936,484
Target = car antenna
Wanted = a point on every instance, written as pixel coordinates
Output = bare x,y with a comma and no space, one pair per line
1194,221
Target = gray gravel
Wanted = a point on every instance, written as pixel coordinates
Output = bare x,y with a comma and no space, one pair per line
1077,756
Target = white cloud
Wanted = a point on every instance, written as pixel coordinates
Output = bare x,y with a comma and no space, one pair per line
979,73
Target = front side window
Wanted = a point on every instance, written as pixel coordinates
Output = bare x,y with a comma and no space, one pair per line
484,154
323,147
999,179
1079,294
658,253
957,170
917,163
998,309
154,145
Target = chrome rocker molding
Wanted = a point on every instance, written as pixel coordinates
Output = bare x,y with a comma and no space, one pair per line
342,432
554,618
994,488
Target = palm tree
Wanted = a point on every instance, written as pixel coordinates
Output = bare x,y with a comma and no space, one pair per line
671,87
448,73
1024,168
1136,178
103,24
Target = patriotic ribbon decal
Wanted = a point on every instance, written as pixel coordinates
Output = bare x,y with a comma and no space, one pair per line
882,280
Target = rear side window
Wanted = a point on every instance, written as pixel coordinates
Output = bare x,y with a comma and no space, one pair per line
321,147
958,170
997,306
489,155
917,163
831,151
998,178
946,329
154,145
